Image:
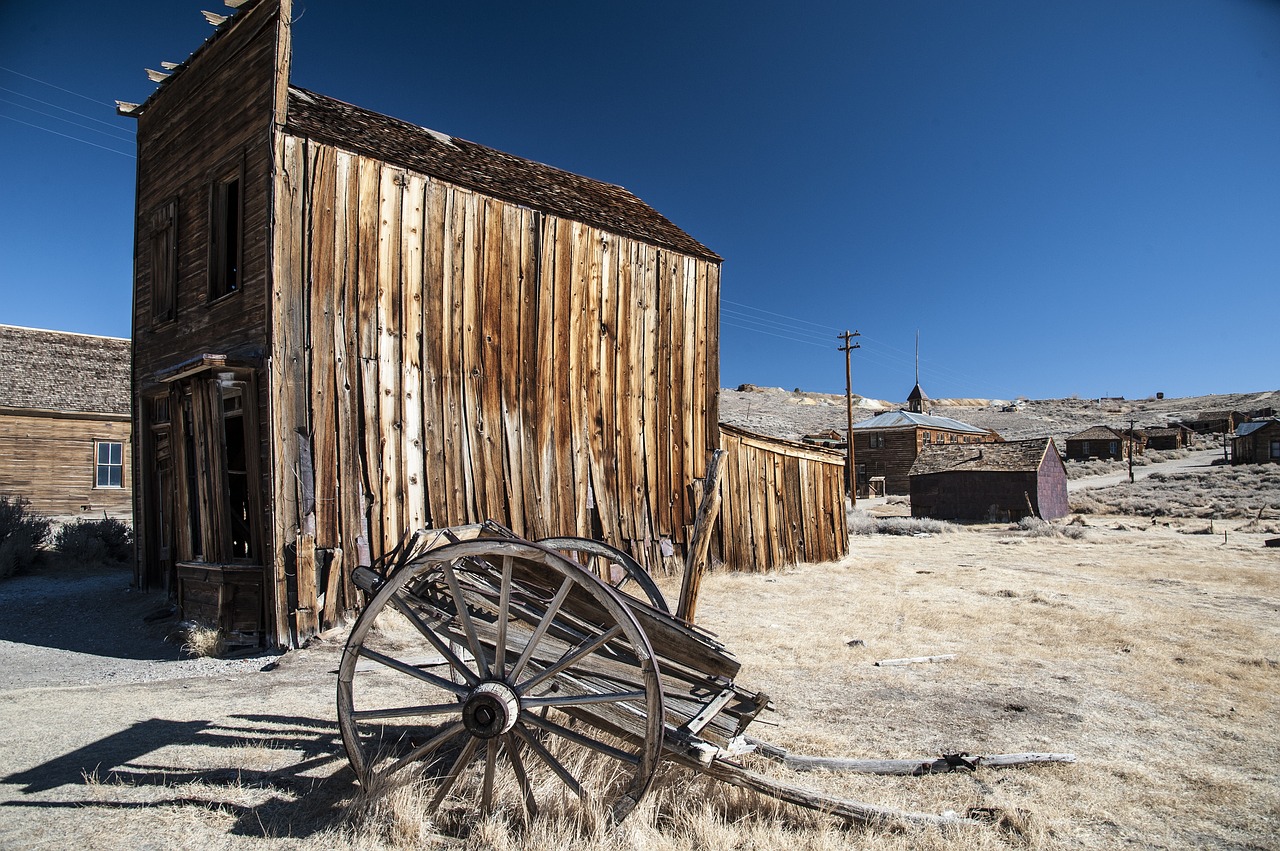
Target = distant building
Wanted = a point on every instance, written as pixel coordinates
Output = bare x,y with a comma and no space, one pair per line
1216,422
1102,442
888,444
830,438
64,423
992,482
1256,442
1166,438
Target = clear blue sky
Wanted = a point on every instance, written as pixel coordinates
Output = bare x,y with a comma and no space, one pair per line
1063,198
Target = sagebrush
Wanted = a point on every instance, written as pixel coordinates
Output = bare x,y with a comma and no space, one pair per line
22,534
104,540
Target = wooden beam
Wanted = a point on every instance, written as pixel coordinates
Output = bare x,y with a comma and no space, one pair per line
696,558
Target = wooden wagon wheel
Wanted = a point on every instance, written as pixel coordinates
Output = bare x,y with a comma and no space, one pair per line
466,662
614,567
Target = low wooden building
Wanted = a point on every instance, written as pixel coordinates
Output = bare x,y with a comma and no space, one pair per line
64,423
1256,442
1102,442
990,482
783,502
1166,438
887,445
1216,422
348,326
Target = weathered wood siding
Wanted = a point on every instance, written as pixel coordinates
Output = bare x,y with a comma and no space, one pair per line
974,495
1051,486
212,118
48,459
1257,446
782,503
443,357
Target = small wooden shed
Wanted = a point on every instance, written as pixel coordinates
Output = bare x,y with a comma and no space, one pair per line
1166,438
1103,442
64,423
1256,442
990,482
783,502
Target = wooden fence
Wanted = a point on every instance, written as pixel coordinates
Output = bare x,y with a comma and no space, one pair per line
783,502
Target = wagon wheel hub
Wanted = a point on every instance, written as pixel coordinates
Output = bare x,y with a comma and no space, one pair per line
490,710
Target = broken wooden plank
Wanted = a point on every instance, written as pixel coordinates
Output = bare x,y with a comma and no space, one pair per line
915,660
904,767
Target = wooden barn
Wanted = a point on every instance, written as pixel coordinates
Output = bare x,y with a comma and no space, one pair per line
348,326
990,482
1256,442
1166,438
64,423
887,445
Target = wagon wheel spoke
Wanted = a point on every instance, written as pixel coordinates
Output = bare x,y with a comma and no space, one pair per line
455,771
427,748
600,559
512,747
569,659
468,626
504,612
486,790
442,647
407,711
553,608
583,740
581,699
551,762
416,673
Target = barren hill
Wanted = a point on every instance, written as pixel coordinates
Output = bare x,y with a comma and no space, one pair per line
790,414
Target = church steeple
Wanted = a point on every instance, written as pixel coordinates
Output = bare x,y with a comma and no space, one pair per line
916,400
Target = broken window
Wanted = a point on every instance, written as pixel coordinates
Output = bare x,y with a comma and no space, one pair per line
226,230
109,469
162,253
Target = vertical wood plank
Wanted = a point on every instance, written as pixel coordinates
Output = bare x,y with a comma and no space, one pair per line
434,311
509,309
367,343
412,437
491,343
347,368
473,473
389,353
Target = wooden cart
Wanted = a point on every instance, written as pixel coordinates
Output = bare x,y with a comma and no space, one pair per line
512,672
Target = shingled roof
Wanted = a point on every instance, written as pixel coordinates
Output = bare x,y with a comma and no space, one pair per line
1098,432
486,170
1014,456
61,371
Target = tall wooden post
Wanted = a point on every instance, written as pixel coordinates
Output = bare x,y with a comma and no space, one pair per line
850,472
1131,441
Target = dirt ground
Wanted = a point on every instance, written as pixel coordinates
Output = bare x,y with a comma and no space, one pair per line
1151,654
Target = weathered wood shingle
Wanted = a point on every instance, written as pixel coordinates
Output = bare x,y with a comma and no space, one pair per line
486,170
1010,456
61,371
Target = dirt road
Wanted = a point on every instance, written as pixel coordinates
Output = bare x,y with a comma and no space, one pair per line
1196,460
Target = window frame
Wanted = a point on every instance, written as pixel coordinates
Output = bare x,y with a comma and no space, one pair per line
99,465
162,260
226,222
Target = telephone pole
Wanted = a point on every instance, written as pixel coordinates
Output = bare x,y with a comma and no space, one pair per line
850,473
1131,437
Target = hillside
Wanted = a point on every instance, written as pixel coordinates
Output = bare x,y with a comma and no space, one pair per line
790,414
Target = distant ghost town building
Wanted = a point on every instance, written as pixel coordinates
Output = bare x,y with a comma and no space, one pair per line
64,423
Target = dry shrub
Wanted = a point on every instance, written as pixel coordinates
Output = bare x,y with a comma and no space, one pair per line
1034,527
1250,490
860,522
22,533
201,640
913,526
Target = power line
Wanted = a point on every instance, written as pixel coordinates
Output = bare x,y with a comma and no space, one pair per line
128,130
824,328
797,333
65,136
67,120
771,334
53,86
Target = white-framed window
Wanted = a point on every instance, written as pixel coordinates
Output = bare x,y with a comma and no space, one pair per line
109,465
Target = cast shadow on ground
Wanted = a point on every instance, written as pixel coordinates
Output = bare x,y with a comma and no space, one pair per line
298,799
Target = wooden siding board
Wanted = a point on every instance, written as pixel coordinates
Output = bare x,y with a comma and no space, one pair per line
434,312
412,432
